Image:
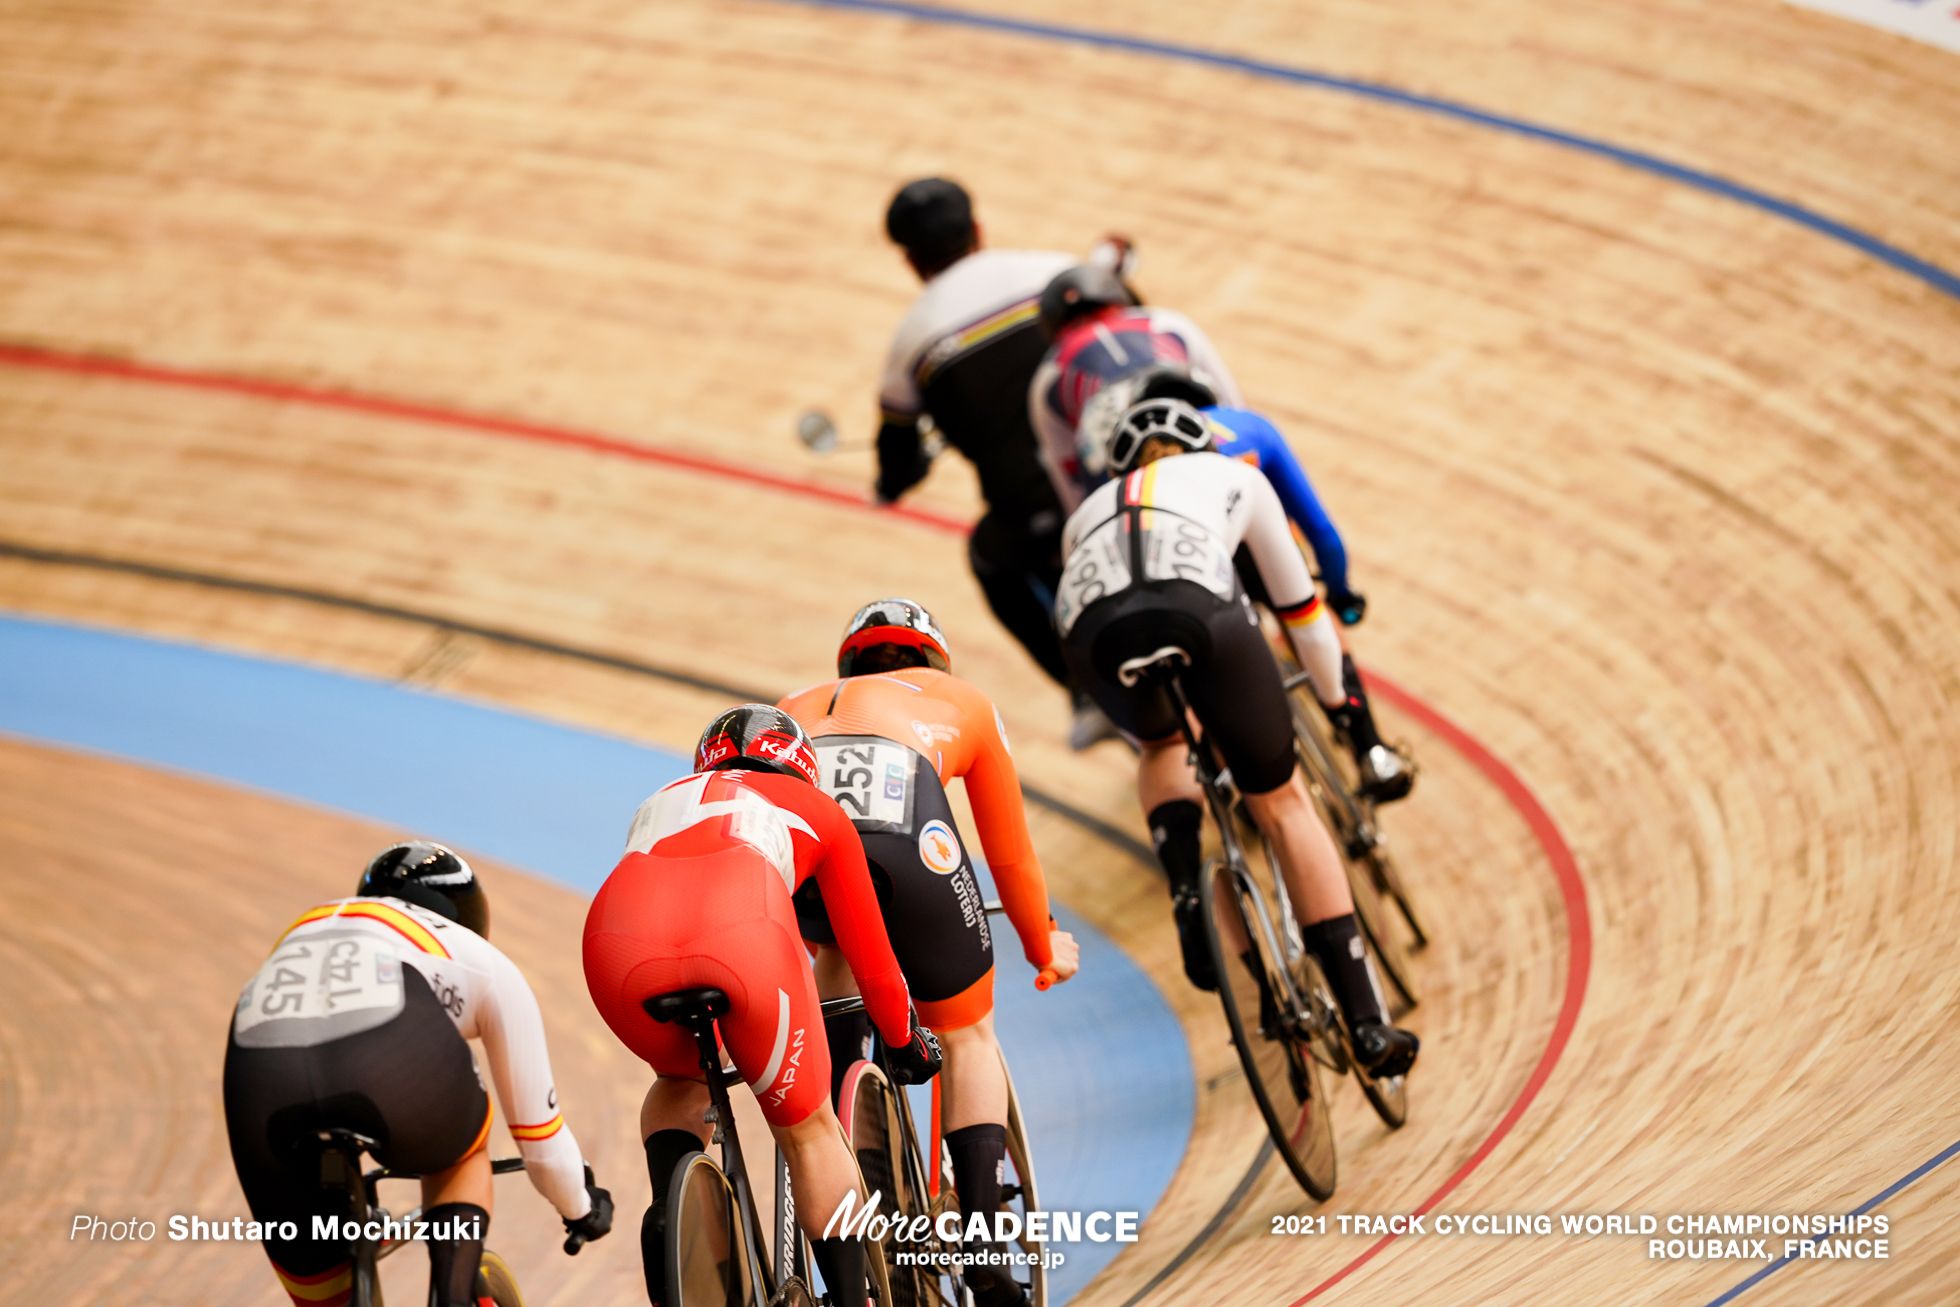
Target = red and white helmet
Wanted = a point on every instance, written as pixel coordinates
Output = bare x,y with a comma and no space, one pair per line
893,621
760,738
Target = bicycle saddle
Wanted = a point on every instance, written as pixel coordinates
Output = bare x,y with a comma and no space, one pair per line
1166,658
689,1007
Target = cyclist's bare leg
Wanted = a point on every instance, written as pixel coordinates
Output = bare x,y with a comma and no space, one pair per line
973,1083
1305,851
469,1181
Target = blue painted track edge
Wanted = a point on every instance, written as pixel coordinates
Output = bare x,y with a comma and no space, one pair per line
1932,274
1913,1177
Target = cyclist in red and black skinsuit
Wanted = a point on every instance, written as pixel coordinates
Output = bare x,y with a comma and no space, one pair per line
702,899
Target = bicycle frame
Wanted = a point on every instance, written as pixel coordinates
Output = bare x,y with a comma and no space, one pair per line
340,1168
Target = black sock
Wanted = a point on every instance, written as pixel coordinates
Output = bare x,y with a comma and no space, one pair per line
1337,945
453,1260
1355,716
977,1152
847,1036
1174,829
664,1149
841,1262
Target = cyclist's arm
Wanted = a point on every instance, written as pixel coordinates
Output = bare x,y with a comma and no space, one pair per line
994,789
902,462
1309,626
852,905
512,1030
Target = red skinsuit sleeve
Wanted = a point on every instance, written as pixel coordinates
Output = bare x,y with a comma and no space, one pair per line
853,908
993,788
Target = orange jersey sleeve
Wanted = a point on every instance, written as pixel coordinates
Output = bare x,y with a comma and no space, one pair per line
955,728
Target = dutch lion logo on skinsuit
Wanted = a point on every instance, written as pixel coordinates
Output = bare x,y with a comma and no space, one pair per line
939,848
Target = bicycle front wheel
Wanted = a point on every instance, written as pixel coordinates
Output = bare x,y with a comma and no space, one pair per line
1283,1075
707,1265
495,1283
1018,1195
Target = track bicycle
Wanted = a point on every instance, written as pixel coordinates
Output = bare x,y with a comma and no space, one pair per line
1328,769
340,1169
877,1117
1282,1018
714,1247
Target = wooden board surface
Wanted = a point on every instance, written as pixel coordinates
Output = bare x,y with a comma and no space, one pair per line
1651,490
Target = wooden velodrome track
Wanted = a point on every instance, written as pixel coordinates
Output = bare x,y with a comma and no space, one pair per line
1652,491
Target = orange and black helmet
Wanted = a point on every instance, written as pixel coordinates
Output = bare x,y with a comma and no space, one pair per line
892,621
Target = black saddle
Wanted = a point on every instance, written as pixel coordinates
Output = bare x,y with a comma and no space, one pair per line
693,1008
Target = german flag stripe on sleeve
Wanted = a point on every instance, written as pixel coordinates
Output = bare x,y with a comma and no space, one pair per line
533,1133
329,1288
394,918
1301,614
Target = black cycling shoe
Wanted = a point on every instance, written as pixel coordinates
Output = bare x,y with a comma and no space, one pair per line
1384,1051
1188,912
995,1288
1385,774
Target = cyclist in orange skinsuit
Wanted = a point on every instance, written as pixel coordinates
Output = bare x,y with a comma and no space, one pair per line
888,734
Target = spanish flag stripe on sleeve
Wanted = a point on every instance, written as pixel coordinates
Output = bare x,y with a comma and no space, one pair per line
394,918
1301,614
533,1133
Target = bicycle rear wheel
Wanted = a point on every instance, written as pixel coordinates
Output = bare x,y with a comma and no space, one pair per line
707,1265
870,1120
1282,1073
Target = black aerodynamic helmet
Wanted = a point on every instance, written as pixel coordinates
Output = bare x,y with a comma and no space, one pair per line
432,877
1079,290
932,218
757,737
1154,419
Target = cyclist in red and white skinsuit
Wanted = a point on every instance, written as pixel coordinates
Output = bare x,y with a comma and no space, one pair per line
702,899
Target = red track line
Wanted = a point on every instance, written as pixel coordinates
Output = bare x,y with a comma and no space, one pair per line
47,360
1578,930
1578,923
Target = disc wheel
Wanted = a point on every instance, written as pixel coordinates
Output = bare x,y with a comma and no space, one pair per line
707,1266
1282,1074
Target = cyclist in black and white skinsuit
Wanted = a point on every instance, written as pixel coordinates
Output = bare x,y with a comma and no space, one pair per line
359,1020
1149,567
964,355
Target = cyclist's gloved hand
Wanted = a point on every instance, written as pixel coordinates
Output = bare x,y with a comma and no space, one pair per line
595,1224
920,1059
1347,605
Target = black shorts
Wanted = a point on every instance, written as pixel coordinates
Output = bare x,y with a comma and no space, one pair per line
1233,683
934,914
409,1084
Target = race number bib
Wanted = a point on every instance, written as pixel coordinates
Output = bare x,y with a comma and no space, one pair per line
871,779
1098,566
320,987
1178,549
